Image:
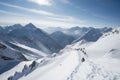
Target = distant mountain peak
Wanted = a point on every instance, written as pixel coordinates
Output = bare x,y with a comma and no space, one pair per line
30,23
17,25
30,26
59,32
75,28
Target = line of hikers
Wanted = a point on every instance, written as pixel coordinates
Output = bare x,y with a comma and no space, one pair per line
83,51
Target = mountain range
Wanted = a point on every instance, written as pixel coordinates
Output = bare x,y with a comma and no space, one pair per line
85,53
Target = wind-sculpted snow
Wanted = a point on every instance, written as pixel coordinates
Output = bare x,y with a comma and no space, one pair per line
26,70
9,58
103,67
22,69
105,44
59,68
93,71
113,53
97,69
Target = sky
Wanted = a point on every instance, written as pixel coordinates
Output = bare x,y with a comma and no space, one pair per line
61,13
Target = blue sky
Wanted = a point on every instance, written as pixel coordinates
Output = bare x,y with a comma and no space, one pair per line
61,13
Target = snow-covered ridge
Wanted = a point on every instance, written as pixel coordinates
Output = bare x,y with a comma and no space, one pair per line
106,44
25,71
93,34
114,31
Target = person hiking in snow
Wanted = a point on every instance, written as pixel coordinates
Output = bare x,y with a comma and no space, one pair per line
83,59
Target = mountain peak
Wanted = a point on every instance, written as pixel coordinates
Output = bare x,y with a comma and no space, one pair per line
17,25
59,33
75,28
30,26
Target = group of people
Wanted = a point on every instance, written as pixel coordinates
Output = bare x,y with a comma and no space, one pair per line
113,32
83,51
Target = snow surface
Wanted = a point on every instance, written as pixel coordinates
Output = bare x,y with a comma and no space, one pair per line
104,45
31,49
18,68
59,68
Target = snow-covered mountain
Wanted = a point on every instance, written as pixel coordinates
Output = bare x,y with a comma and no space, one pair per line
29,36
81,33
20,43
77,31
81,60
74,31
50,30
9,57
62,38
93,34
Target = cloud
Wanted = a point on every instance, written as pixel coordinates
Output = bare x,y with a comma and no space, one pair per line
67,19
52,15
45,23
28,9
41,23
12,13
42,2
50,19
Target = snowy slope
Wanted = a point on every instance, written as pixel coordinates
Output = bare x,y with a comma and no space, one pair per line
103,59
105,44
61,66
94,71
11,72
9,56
